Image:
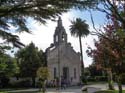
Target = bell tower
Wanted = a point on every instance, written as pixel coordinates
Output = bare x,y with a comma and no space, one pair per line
60,35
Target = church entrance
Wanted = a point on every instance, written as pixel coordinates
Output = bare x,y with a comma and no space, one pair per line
66,73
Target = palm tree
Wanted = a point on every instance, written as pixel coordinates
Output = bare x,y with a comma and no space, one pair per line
79,28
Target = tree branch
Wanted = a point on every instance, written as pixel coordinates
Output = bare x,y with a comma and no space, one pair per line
117,15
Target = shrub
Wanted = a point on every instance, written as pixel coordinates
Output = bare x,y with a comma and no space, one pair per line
123,78
4,82
91,79
101,78
21,84
97,78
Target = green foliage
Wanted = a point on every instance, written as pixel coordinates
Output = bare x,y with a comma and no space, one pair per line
16,12
123,78
120,33
109,91
43,73
79,28
26,83
91,79
94,71
110,49
8,66
106,91
30,59
3,48
8,37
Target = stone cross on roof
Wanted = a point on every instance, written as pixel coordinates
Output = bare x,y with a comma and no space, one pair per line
59,22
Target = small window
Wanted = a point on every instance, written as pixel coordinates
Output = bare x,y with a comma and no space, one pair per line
74,73
63,37
54,72
56,38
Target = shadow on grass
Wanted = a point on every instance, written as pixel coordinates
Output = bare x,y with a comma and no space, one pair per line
18,91
109,91
23,92
26,92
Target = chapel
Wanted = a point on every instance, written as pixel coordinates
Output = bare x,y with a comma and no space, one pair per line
62,60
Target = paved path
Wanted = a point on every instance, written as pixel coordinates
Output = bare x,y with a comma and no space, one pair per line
50,90
67,90
79,89
103,86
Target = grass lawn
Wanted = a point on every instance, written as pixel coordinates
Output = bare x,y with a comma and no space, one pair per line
16,91
22,92
109,91
96,82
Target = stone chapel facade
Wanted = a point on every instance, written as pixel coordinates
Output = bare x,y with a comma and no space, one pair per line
62,60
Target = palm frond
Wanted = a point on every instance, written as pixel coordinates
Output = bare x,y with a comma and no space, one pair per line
79,27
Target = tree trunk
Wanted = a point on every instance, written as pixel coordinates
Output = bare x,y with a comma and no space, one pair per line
33,82
42,86
110,81
119,84
83,78
81,59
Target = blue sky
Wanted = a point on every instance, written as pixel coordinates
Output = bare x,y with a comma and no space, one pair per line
42,35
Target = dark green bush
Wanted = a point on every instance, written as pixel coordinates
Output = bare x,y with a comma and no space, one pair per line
101,78
91,79
21,84
123,78
97,78
4,82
